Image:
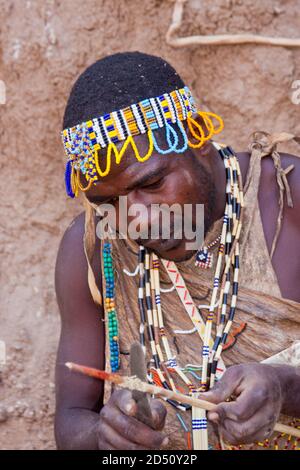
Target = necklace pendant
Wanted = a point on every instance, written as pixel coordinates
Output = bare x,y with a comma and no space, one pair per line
204,258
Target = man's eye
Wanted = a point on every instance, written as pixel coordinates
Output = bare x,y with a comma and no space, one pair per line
155,184
114,199
111,201
106,201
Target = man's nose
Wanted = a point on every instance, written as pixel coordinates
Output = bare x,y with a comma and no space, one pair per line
141,197
139,209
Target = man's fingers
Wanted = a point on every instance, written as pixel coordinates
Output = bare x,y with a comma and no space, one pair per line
248,433
225,387
265,418
213,416
245,433
227,437
241,409
257,428
123,400
131,429
159,413
113,440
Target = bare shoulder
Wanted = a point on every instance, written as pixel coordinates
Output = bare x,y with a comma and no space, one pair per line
269,179
270,185
82,331
293,178
269,191
71,268
70,250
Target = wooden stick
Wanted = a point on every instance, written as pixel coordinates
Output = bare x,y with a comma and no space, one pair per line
133,383
219,39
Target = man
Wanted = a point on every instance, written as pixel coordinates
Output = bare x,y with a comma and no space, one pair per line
194,175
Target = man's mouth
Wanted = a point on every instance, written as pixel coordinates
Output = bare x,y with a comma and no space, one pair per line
162,244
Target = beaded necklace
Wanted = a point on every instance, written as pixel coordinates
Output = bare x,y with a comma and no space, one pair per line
151,316
113,330
204,258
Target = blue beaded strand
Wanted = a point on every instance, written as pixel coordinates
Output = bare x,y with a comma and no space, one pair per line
113,329
68,183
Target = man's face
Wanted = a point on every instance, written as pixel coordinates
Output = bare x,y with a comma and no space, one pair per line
169,179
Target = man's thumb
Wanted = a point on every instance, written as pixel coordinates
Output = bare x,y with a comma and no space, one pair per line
220,392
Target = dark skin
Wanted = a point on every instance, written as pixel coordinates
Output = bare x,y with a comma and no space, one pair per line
263,391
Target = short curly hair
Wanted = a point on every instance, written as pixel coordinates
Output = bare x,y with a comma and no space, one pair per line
117,81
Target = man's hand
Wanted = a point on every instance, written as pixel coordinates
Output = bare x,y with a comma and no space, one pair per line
118,428
258,399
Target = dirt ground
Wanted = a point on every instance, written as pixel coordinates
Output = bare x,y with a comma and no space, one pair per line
44,45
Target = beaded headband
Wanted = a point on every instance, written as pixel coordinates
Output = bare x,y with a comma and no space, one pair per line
83,143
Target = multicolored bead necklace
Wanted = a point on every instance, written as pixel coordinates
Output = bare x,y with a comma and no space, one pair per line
204,259
113,330
151,315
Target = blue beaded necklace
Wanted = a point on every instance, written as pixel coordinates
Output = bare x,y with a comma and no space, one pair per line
113,328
